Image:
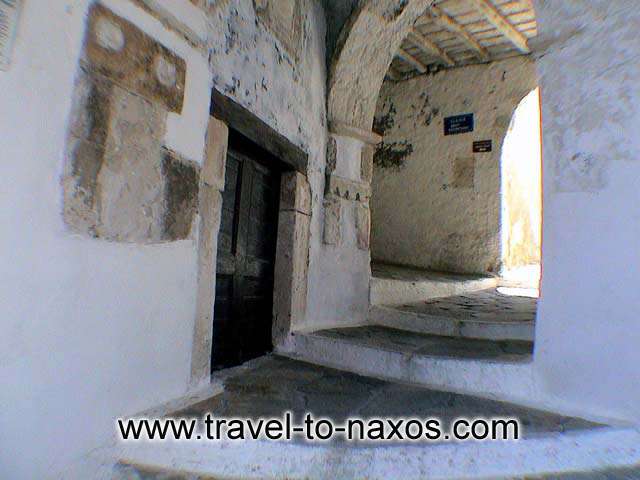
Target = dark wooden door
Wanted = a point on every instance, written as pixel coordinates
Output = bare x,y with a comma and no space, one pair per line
246,256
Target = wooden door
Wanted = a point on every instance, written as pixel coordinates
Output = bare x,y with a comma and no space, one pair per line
246,256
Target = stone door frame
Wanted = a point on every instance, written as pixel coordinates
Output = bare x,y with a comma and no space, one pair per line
294,218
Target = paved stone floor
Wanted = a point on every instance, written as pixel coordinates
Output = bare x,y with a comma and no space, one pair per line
613,474
483,306
409,274
272,385
133,472
394,340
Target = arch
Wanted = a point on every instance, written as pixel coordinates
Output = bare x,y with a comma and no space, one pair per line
364,52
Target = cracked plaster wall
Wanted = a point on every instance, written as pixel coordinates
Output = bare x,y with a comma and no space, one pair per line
435,203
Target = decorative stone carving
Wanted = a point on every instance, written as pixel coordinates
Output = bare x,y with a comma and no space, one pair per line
131,66
109,35
347,189
119,182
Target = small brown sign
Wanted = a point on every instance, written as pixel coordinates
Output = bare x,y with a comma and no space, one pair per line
482,146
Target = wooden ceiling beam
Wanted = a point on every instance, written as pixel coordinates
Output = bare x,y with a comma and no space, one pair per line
493,15
411,60
431,48
448,23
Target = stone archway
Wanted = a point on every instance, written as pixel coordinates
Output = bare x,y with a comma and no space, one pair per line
364,52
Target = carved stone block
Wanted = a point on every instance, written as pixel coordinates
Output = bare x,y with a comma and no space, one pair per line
366,164
295,193
347,189
213,170
332,220
291,270
123,53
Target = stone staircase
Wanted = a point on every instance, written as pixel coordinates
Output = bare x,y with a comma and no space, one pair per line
449,305
267,387
452,347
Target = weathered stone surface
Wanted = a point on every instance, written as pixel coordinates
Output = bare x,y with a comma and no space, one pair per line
130,197
291,270
275,384
366,164
347,189
464,170
134,122
284,19
363,56
120,51
209,208
113,184
91,109
332,153
213,170
447,211
332,220
118,183
295,193
363,226
181,196
80,185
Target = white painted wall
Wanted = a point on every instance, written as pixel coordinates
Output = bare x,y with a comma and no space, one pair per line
90,330
291,97
588,331
423,216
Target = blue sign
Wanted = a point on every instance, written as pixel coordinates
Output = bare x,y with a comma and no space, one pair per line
458,124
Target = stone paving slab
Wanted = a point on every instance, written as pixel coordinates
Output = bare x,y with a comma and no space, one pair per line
390,339
612,474
277,384
484,306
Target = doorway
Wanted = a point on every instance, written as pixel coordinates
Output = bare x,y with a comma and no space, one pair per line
242,320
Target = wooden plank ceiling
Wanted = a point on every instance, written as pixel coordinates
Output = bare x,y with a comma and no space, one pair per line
453,33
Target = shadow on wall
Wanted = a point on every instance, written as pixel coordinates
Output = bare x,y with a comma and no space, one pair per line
522,192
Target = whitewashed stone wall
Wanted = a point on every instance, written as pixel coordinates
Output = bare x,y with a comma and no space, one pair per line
435,203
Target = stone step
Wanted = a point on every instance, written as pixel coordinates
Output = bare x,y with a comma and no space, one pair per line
492,369
486,314
392,285
270,386
131,471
